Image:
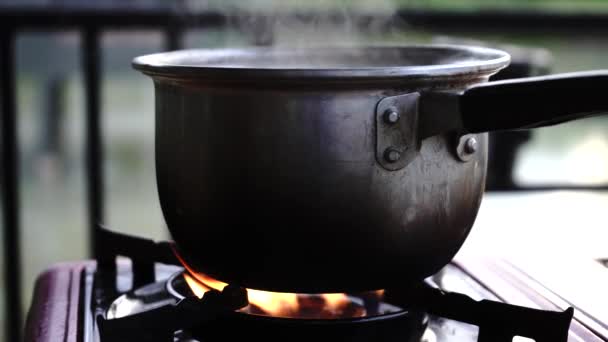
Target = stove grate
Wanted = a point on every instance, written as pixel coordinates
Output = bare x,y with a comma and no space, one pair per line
497,322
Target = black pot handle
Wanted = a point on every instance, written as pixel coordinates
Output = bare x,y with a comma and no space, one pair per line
515,104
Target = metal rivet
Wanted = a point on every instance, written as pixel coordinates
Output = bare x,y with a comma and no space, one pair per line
391,116
471,146
392,155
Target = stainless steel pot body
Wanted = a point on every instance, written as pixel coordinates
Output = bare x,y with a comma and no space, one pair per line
287,183
263,184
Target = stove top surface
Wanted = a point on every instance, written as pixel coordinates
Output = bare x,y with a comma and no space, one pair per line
119,300
65,304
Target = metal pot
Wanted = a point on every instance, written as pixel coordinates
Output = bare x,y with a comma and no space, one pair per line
334,169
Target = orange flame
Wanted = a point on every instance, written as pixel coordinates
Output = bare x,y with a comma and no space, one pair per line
277,304
274,303
281,304
197,288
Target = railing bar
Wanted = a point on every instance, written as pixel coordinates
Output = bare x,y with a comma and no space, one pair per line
173,38
64,17
61,17
91,56
10,186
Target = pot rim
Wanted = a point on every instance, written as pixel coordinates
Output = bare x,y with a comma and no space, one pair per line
282,63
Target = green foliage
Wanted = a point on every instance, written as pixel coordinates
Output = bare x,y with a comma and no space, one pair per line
544,5
384,5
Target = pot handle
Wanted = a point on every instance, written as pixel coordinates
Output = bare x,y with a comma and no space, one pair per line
515,104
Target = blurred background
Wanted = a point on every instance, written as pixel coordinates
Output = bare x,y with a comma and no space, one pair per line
550,198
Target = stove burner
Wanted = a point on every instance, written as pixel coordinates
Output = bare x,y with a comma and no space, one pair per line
393,324
153,312
146,298
296,305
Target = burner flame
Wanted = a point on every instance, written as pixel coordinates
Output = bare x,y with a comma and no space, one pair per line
282,304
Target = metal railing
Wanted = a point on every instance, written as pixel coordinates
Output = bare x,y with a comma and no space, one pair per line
90,20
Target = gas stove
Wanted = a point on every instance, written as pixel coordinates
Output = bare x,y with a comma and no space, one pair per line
147,295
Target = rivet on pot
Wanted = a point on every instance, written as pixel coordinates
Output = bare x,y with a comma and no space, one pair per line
392,155
471,145
391,116
467,146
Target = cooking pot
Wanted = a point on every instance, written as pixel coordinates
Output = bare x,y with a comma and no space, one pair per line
337,168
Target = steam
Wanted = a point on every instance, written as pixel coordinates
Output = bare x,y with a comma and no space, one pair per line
304,23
